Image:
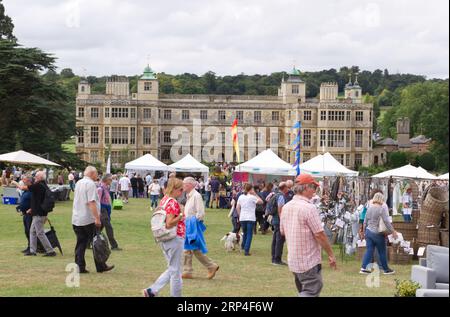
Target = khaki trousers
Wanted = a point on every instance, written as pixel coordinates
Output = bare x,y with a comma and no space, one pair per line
202,258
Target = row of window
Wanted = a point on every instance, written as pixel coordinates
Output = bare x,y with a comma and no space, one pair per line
340,138
117,112
330,115
339,115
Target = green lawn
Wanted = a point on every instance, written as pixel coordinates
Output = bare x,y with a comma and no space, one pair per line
141,262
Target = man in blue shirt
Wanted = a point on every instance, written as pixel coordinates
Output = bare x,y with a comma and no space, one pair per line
215,185
278,239
25,208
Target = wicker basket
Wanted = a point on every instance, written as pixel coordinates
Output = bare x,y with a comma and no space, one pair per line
398,256
444,238
428,235
407,229
415,215
435,204
445,220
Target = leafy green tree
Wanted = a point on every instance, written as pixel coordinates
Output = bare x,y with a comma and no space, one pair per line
397,159
6,25
67,73
426,161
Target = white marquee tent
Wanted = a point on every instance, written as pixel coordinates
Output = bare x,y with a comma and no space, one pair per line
267,162
443,176
146,163
22,157
325,165
407,171
190,164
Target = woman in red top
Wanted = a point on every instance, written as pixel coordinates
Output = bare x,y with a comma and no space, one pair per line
172,249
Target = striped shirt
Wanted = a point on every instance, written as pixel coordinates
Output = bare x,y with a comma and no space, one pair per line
300,221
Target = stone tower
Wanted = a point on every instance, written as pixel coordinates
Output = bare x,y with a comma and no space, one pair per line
403,138
118,86
328,91
148,88
293,90
84,89
353,91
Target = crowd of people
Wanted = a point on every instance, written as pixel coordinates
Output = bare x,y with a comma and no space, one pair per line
287,209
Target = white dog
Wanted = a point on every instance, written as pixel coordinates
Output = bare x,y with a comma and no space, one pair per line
232,241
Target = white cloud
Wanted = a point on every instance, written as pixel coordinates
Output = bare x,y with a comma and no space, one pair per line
234,36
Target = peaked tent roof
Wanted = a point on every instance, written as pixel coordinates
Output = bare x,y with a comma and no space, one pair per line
407,171
443,176
22,157
266,162
146,163
189,164
325,165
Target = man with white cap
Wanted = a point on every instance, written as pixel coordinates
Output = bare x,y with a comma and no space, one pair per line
195,207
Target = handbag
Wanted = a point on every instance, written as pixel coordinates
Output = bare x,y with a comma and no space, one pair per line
381,225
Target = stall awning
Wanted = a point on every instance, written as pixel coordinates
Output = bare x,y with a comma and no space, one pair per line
267,162
146,163
25,158
189,164
325,165
407,171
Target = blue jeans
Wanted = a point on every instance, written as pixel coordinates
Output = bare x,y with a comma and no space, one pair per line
407,218
375,241
154,200
207,199
247,228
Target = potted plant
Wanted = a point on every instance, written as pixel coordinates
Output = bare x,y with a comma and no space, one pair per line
406,288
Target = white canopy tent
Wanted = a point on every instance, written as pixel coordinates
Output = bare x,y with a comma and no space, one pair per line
443,176
190,164
146,163
325,165
25,158
407,171
267,162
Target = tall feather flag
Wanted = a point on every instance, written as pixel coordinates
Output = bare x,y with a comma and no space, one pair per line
234,135
297,146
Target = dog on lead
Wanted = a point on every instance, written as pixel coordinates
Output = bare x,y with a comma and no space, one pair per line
232,241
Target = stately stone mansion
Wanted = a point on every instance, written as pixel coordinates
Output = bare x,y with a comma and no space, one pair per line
135,124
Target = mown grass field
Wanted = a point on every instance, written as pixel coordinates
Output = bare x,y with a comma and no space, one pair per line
141,262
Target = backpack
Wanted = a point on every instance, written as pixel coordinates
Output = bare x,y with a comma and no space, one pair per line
48,203
260,208
158,224
272,205
100,247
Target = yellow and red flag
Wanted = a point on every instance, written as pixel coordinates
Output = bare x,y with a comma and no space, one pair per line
234,136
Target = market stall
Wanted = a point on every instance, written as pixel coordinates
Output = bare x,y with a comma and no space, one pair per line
265,167
146,164
189,164
325,165
25,158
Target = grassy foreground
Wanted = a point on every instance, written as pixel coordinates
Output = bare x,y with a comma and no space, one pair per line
141,262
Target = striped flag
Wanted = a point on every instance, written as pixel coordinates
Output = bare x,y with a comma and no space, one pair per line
234,135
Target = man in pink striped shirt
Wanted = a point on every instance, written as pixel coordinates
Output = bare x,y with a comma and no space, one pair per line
302,228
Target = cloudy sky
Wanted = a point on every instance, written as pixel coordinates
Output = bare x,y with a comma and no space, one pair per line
233,36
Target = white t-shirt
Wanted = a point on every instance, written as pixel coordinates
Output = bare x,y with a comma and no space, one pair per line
248,207
407,199
154,189
85,191
125,184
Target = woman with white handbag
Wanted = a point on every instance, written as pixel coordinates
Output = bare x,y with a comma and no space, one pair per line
376,226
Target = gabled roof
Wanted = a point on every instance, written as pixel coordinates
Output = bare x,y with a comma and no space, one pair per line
421,139
386,141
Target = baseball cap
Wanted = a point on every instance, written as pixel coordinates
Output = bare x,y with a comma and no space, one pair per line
304,179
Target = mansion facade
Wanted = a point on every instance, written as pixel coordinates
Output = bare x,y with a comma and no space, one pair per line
131,125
